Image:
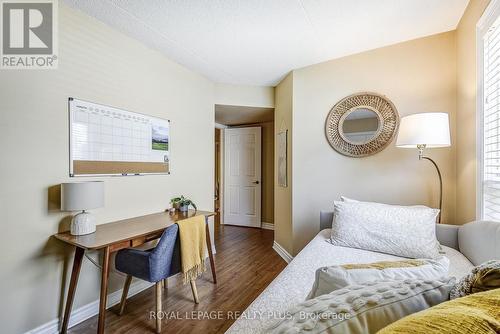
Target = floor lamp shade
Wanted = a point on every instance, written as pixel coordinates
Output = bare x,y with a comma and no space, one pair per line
431,129
426,130
82,196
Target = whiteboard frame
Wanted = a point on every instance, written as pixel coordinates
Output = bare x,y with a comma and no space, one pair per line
70,128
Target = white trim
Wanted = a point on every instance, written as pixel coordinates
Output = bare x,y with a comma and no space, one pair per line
220,126
88,311
489,16
282,252
479,121
222,148
267,226
91,309
491,13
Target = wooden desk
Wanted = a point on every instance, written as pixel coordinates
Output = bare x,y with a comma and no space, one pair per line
118,235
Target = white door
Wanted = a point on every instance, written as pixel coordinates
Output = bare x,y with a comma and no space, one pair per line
242,176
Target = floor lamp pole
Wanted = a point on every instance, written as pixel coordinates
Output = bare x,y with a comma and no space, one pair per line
420,157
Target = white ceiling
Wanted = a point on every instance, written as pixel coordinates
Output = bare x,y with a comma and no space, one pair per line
237,115
257,42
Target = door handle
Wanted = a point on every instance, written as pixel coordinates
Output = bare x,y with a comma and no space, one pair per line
255,182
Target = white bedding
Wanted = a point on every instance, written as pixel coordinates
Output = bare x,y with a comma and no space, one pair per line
294,283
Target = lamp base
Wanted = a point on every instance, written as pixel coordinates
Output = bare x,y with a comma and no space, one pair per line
82,223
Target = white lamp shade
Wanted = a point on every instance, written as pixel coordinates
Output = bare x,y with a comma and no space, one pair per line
82,196
431,129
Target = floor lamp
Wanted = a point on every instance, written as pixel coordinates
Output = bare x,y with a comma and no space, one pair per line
426,130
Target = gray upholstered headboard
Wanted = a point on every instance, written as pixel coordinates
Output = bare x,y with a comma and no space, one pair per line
325,220
446,234
480,241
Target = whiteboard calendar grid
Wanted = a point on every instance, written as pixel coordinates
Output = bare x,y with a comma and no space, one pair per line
101,134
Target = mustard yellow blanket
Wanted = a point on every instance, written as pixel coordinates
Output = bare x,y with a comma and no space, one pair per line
193,247
478,313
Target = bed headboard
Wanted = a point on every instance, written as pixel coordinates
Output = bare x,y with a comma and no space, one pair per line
447,235
480,241
325,220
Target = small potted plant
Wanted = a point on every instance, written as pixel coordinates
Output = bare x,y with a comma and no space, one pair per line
182,204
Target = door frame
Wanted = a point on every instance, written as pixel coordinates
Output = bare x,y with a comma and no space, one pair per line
222,162
222,138
223,168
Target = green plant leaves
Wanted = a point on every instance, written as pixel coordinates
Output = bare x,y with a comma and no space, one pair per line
183,201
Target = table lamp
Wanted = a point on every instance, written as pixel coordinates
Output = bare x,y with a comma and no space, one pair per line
82,196
426,130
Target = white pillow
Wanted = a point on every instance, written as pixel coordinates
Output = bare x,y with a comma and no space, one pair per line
350,200
363,309
406,231
333,278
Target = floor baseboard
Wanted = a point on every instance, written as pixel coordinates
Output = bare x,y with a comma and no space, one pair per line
282,252
267,226
87,311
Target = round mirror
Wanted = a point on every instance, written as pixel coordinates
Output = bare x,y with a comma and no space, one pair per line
360,126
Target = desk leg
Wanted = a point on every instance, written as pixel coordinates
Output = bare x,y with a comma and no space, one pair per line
77,264
104,291
210,253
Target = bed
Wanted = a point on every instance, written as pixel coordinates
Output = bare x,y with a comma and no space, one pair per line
295,281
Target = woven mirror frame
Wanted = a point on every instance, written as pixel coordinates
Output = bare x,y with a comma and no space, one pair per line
388,124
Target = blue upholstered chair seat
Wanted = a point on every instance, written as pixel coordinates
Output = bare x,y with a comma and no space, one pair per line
155,264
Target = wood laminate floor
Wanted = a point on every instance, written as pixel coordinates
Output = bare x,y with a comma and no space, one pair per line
246,264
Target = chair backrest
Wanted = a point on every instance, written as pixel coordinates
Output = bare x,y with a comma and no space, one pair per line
479,241
165,257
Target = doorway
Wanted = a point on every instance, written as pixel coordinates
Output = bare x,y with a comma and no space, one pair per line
242,177
244,166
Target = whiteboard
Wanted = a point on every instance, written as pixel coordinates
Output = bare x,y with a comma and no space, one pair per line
111,141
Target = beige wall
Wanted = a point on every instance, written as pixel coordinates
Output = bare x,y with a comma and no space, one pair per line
244,95
98,64
283,196
267,172
466,111
417,76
